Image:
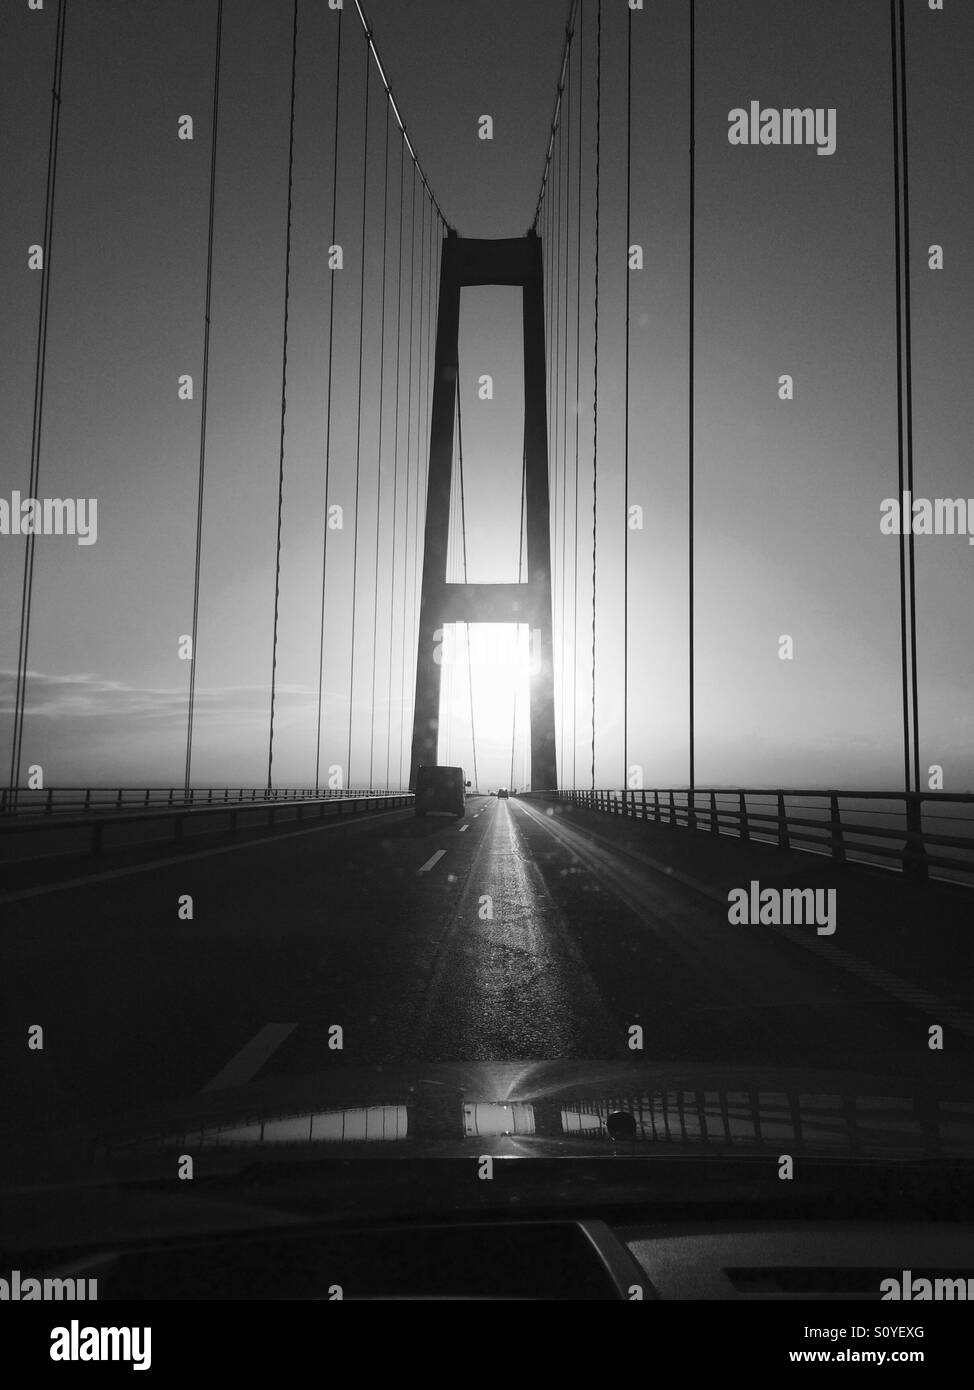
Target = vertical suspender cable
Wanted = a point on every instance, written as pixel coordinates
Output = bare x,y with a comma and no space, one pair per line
565,665
395,477
280,475
331,342
908,371
595,373
900,449
378,500
463,553
418,514
203,400
520,576
557,371
625,484
358,435
421,370
578,363
27,587
430,331
690,385
409,430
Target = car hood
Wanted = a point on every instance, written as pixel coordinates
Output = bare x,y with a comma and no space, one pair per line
356,1142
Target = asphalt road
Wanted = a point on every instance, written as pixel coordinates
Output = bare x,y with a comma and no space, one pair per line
517,933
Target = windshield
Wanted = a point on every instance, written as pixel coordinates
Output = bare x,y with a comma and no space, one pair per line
498,693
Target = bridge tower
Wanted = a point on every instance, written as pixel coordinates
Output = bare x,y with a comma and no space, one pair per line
505,262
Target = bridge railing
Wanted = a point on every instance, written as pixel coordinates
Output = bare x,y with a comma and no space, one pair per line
141,824
917,832
87,800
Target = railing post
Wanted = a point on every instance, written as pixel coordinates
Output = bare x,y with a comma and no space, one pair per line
714,820
49,803
914,857
87,797
672,808
744,828
118,801
691,809
644,803
656,811
835,825
783,840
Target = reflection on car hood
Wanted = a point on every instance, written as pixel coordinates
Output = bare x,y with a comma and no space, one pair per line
356,1143
546,1109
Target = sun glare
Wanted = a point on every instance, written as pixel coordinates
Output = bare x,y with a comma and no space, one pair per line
485,702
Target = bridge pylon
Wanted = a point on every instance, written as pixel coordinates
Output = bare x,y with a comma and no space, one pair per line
503,262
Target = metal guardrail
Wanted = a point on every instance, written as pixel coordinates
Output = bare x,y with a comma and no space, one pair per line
61,800
904,836
178,815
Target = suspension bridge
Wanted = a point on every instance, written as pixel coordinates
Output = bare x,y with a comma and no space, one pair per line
451,516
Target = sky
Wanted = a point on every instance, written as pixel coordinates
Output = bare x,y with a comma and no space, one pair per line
794,273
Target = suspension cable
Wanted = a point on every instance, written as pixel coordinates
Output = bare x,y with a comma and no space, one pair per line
422,371
595,374
898,254
463,553
378,500
569,33
331,342
556,226
358,435
520,579
690,402
395,476
203,401
578,382
564,429
280,476
409,420
395,110
40,367
625,485
908,372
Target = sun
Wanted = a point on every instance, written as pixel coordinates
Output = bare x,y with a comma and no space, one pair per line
485,702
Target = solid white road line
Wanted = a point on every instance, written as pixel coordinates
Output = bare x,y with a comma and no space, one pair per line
433,860
249,1060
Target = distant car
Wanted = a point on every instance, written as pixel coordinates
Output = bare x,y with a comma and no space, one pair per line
502,791
440,788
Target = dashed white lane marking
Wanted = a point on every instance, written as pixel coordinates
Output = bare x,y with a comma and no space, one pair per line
462,827
20,893
251,1057
431,863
